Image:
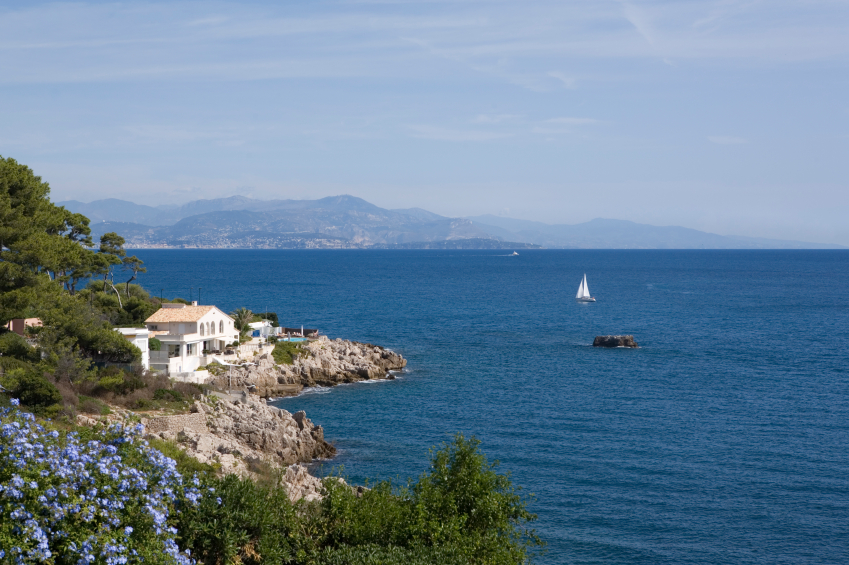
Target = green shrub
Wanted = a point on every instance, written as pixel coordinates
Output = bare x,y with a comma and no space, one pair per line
91,405
13,345
117,381
251,524
187,465
9,363
69,320
391,555
34,391
56,517
167,395
154,344
461,512
284,352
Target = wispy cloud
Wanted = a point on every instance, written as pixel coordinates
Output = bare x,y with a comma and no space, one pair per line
568,82
517,43
639,19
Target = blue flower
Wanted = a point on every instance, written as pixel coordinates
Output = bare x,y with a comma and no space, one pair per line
87,492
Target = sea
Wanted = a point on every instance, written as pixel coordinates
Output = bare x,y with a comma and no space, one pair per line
723,439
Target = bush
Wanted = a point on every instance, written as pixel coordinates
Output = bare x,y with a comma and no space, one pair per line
154,344
9,363
187,465
462,512
188,390
109,500
13,345
284,352
114,496
167,395
131,389
241,522
94,406
34,390
118,382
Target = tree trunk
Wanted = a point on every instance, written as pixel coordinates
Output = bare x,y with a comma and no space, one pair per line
118,294
132,278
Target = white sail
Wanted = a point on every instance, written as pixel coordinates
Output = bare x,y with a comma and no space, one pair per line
586,288
580,290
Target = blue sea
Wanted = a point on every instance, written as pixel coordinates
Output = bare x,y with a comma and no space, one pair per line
723,439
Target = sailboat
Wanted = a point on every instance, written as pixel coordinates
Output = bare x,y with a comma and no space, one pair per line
584,292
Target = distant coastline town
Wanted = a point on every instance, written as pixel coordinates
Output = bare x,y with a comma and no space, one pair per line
348,222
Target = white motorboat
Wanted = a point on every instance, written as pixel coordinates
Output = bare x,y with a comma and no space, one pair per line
584,292
514,253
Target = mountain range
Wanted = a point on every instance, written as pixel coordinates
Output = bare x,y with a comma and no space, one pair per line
352,223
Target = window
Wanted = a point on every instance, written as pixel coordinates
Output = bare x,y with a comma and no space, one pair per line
153,327
221,327
211,328
173,350
201,328
190,349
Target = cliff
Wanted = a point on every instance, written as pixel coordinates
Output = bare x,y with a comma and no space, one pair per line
238,432
241,437
322,362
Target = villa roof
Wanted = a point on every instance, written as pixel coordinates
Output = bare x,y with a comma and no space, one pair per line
184,314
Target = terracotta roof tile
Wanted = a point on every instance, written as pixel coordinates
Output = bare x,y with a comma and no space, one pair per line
185,314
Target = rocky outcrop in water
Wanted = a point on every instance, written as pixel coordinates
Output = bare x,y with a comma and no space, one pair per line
322,362
614,341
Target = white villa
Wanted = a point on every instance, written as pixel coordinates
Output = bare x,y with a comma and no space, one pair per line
138,337
187,334
263,329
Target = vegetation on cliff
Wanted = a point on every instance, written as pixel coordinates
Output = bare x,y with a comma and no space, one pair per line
284,352
71,494
107,496
46,256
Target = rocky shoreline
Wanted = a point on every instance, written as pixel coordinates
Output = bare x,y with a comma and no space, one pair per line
322,362
244,435
241,433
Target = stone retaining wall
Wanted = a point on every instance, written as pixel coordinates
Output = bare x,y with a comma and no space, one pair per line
195,422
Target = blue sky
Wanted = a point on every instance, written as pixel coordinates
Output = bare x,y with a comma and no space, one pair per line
727,116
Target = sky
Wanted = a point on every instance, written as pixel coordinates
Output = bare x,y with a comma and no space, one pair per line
720,115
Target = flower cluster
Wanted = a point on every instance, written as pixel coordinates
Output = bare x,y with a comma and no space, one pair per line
106,500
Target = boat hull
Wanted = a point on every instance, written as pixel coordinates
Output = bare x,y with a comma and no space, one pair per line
587,299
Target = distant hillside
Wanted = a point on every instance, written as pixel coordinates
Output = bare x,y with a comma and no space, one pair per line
621,234
471,243
114,210
335,222
348,222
